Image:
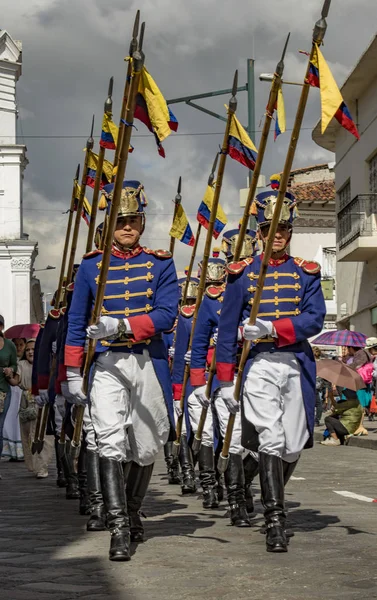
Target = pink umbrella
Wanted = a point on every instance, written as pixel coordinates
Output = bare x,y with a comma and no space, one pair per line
23,331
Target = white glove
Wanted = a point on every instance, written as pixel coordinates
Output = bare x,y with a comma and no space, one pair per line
200,395
187,357
64,388
239,334
214,338
227,394
75,393
39,402
177,408
171,352
106,327
259,330
44,397
54,347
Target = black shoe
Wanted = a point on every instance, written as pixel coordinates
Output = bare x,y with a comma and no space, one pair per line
136,488
173,473
114,496
119,545
239,516
272,488
210,498
72,491
188,484
97,520
61,481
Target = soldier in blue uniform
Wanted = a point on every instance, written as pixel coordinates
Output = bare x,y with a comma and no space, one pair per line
204,342
182,337
278,394
130,395
214,277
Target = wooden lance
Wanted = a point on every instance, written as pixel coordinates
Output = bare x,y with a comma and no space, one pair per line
275,85
207,248
177,202
59,297
137,65
318,35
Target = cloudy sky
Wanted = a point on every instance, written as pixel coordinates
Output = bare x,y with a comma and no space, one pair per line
71,48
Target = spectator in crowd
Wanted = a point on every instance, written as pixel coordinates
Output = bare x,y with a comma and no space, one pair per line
362,362
345,418
8,369
37,464
12,434
371,345
321,390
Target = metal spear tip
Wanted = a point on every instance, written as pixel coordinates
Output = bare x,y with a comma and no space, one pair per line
321,25
77,172
178,197
280,66
141,38
135,32
90,140
211,178
233,100
109,101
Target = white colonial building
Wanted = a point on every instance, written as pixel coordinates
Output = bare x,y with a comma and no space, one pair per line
17,253
356,197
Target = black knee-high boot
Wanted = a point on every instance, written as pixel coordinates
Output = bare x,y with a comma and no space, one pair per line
288,469
97,519
114,496
172,464
272,488
136,487
207,476
82,473
72,490
61,481
188,485
251,470
235,485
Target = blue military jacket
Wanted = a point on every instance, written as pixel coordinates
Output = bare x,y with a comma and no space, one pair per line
142,287
206,326
292,299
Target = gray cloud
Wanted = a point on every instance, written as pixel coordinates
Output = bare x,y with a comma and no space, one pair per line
71,48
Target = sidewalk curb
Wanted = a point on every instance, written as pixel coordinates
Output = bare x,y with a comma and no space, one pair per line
360,442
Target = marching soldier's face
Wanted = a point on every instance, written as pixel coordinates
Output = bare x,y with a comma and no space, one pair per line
281,240
128,231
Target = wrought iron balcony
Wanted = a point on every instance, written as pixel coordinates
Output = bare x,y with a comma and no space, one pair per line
357,228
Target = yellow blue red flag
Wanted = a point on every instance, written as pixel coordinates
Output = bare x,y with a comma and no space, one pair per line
86,207
181,229
332,103
153,111
280,122
240,146
109,134
107,171
204,213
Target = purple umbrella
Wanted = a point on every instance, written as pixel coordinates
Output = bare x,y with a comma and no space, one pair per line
341,337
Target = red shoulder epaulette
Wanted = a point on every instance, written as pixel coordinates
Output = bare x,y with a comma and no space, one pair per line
158,253
234,268
187,311
93,253
214,291
308,266
54,313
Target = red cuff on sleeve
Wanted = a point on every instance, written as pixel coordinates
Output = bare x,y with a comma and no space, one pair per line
177,391
62,373
34,390
73,356
43,381
225,371
198,376
142,327
210,354
285,332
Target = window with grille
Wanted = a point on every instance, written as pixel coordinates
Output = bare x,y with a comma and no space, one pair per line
373,175
344,196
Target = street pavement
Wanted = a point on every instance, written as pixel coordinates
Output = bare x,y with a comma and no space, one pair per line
46,553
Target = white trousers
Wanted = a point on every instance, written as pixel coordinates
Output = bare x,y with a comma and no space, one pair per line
90,435
273,403
223,418
127,407
59,412
195,410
